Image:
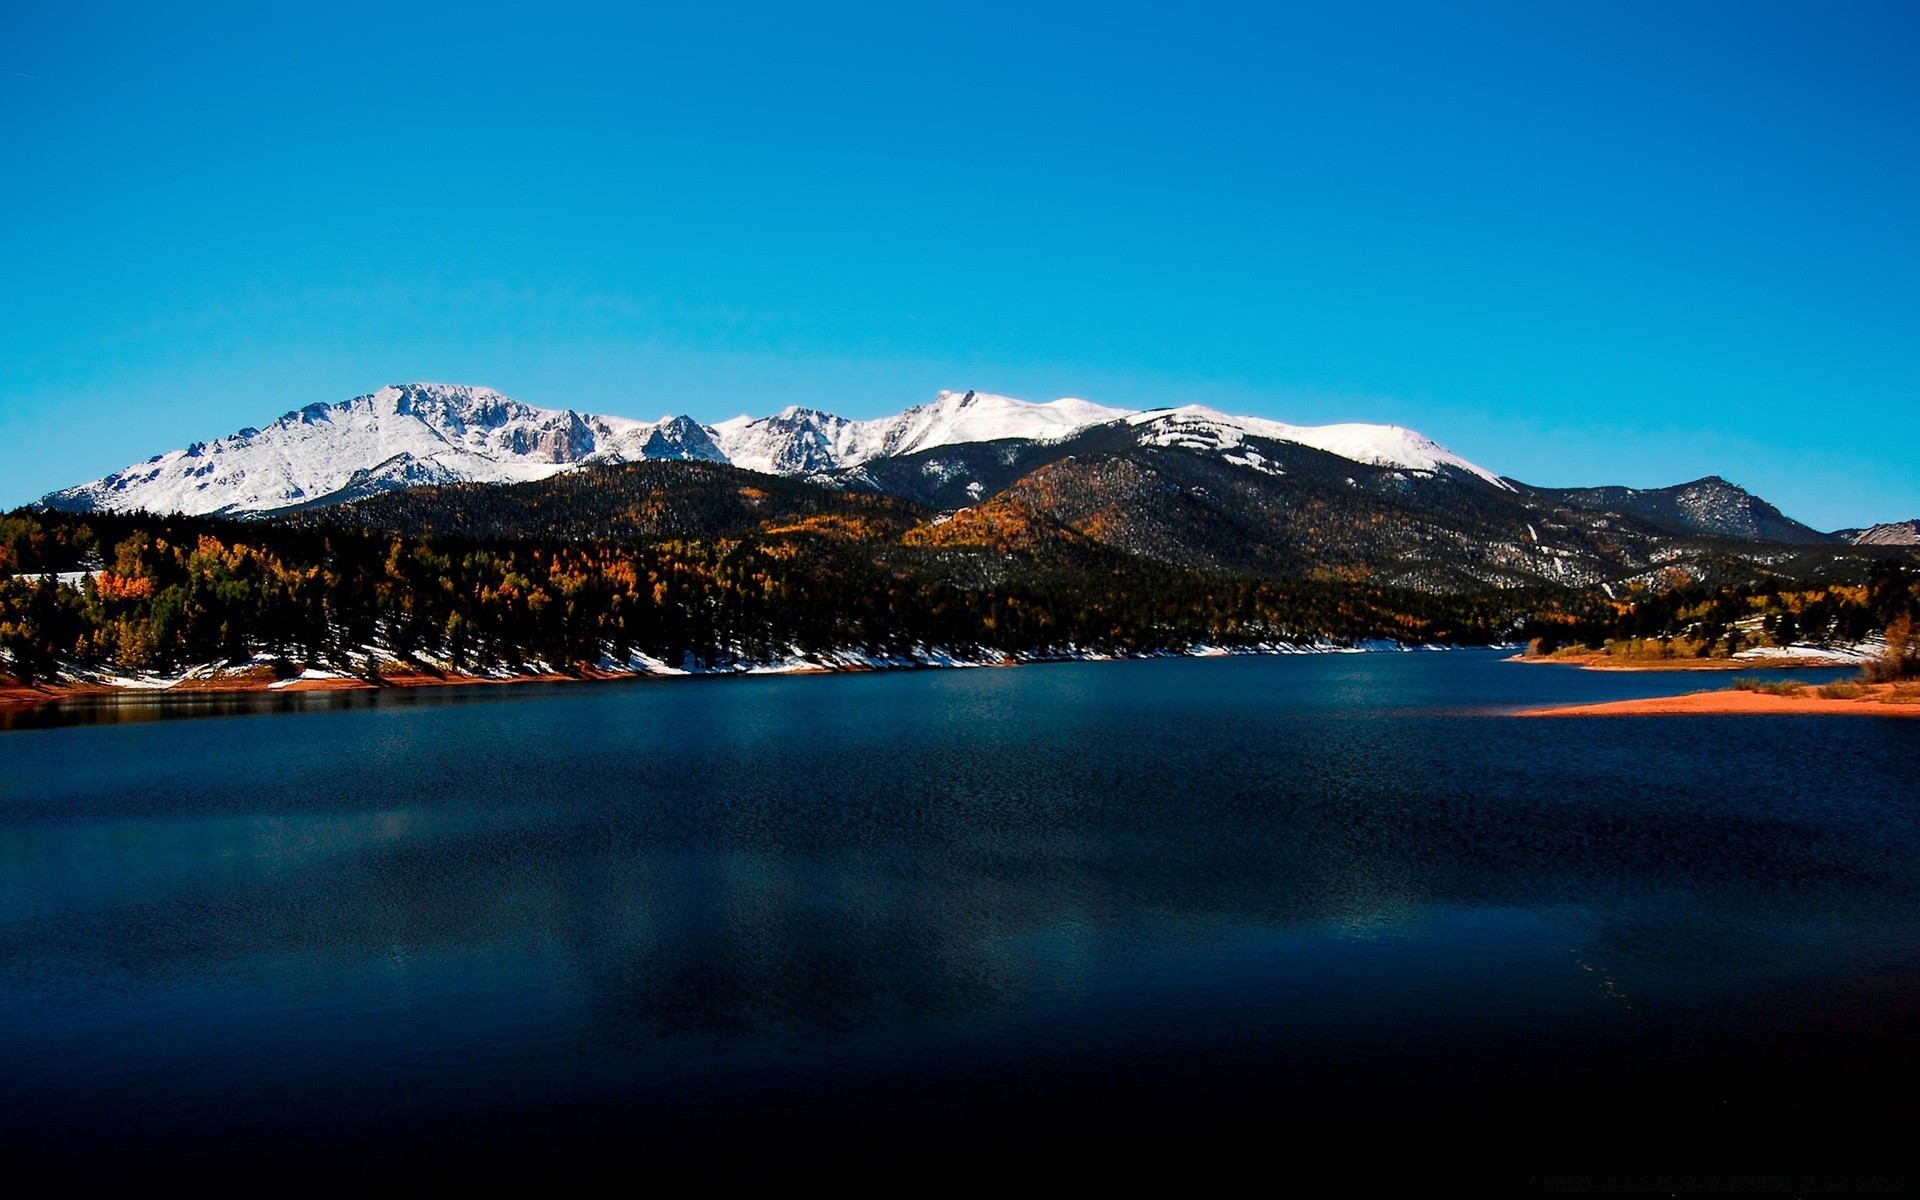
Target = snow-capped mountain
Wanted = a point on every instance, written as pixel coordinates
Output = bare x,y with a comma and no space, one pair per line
1197,428
396,437
802,441
427,433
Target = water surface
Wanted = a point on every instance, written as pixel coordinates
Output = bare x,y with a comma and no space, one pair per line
1227,902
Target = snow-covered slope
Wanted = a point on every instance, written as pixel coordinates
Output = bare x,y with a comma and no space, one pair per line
1376,445
803,441
422,433
395,437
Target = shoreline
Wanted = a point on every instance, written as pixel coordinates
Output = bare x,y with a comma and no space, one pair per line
1605,662
1875,700
255,680
34,695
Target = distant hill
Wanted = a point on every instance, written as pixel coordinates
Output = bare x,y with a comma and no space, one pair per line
1710,506
1891,533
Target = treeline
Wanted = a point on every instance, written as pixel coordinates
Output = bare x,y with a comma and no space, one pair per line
163,593
643,501
1707,621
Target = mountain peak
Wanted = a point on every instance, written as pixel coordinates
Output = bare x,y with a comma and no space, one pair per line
1195,426
405,433
1711,505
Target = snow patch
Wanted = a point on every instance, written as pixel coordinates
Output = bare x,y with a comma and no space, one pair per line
430,433
1198,427
1859,652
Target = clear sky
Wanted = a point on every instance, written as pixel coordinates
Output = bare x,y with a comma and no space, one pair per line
1577,243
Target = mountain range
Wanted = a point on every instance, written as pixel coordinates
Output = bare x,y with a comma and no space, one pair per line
1186,486
425,433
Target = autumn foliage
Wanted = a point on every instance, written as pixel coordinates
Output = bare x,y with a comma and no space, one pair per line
162,593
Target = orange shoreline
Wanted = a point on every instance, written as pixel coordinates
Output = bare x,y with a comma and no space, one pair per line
1878,701
13,694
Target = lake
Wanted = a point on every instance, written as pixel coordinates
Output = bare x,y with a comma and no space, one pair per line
1212,907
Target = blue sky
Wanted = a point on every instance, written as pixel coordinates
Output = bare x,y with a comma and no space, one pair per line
1576,243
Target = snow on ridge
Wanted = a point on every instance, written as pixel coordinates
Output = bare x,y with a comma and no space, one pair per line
408,435
803,441
1198,427
398,436
954,418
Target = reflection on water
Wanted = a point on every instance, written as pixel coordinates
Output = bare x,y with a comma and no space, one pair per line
1142,890
136,707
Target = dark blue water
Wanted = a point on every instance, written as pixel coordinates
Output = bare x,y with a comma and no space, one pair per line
1180,906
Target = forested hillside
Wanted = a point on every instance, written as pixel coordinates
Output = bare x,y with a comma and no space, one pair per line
1694,620
1197,494
160,594
1133,549
644,501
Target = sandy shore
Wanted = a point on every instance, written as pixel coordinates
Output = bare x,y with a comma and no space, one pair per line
1879,700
